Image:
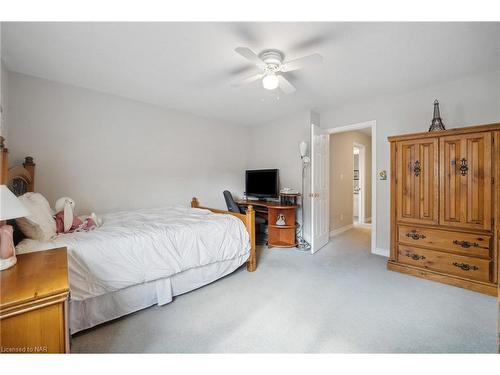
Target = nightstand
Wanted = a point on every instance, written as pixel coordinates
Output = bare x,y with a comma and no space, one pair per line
34,304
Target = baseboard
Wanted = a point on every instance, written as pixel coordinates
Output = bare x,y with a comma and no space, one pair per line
381,252
343,229
364,225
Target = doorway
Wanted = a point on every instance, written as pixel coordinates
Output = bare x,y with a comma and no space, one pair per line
353,179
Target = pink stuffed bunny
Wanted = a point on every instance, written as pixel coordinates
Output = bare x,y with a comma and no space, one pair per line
68,222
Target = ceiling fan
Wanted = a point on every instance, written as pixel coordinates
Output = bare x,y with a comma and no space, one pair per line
273,67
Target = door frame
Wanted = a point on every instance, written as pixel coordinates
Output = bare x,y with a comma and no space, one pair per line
362,182
358,126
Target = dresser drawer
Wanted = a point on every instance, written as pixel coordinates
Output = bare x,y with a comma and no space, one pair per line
450,241
458,265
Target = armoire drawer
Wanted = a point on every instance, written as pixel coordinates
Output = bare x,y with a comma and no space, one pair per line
450,241
458,265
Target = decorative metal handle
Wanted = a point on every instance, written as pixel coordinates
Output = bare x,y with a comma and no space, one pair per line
465,266
466,244
417,169
414,235
464,168
414,256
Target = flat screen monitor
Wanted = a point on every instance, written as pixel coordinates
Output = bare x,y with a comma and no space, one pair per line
262,183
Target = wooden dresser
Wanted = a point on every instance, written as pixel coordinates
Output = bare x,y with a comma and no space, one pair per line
34,304
445,206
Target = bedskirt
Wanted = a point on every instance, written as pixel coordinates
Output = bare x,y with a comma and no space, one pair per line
93,311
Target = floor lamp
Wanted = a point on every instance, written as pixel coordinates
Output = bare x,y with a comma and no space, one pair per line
302,244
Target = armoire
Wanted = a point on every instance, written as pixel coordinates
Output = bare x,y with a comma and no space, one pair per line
445,206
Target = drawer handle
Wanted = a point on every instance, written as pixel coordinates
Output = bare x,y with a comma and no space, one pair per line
466,244
464,168
414,235
414,256
465,266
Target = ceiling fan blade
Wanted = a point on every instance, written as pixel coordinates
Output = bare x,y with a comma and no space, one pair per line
250,79
301,62
248,54
313,42
285,85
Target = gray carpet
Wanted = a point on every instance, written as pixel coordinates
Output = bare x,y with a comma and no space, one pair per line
342,299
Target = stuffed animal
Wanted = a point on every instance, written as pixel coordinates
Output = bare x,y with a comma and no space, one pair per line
68,222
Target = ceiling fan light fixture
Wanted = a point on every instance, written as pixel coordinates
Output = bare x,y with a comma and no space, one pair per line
270,81
273,68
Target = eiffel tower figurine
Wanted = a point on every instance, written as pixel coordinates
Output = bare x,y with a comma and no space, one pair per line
436,124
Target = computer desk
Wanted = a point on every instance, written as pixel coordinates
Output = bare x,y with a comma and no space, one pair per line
278,235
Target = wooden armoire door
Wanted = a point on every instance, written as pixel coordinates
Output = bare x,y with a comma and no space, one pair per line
417,181
465,162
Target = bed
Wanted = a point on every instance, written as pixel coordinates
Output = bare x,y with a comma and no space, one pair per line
144,257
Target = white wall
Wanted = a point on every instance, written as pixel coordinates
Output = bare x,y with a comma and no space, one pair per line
3,100
468,101
276,145
3,92
110,153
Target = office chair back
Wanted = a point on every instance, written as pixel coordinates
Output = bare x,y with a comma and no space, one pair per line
231,204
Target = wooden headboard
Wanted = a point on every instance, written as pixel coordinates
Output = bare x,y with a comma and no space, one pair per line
19,179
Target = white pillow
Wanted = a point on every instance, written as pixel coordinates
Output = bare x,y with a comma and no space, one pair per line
40,224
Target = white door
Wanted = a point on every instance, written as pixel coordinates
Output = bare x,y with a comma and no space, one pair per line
320,187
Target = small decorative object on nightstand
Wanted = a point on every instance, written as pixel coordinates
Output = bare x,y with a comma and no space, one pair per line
34,304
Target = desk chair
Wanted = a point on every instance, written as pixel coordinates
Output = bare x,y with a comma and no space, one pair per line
232,206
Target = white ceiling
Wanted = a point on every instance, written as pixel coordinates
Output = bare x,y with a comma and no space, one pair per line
189,66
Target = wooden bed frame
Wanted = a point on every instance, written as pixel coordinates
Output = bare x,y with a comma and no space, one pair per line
20,173
248,219
25,176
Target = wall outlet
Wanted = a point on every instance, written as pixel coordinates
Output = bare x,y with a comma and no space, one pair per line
341,217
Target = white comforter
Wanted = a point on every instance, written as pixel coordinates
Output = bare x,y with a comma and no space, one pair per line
134,247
